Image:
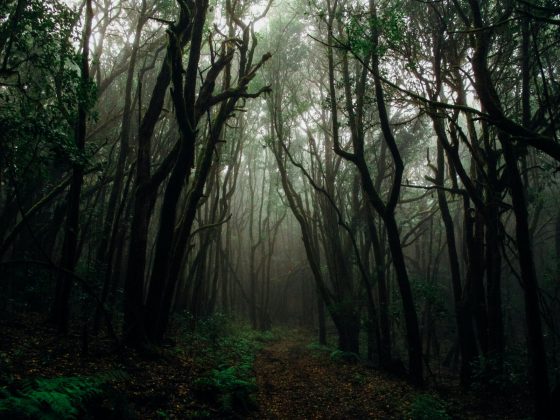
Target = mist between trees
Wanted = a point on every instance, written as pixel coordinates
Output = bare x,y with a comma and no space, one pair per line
382,172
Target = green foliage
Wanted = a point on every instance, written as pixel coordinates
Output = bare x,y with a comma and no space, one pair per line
227,357
359,379
200,414
344,356
214,327
263,337
389,25
500,374
428,407
231,387
55,398
162,414
320,348
432,293
41,90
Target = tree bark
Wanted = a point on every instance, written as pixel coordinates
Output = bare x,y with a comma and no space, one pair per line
491,101
61,306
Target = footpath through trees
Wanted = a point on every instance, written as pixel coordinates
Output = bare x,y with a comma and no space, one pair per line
299,380
223,370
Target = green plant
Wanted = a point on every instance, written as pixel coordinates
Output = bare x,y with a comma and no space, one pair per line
319,348
502,374
344,356
428,407
264,336
358,378
214,327
229,388
162,414
53,398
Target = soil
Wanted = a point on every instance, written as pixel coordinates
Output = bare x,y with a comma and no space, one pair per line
296,382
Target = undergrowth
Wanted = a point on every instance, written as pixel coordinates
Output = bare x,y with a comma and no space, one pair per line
226,350
492,374
344,356
320,348
428,407
66,397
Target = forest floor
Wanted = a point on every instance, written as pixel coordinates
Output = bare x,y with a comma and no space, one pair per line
298,380
219,372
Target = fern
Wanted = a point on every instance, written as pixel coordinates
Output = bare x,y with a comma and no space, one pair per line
230,387
54,398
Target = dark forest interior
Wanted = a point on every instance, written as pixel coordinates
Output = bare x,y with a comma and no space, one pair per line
279,209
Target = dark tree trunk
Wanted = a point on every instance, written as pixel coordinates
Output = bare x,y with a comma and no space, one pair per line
535,339
463,315
134,281
411,320
474,232
348,326
61,306
321,319
112,271
494,264
170,247
385,329
184,101
557,241
110,220
491,101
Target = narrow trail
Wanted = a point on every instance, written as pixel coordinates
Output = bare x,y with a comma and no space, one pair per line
297,381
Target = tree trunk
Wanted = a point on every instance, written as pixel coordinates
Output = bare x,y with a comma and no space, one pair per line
321,319
134,282
61,306
466,336
537,351
491,101
411,320
110,220
385,329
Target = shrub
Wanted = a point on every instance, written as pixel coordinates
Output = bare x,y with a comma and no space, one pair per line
428,407
500,374
344,356
316,347
214,327
229,388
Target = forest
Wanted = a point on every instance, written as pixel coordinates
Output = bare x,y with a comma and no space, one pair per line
279,209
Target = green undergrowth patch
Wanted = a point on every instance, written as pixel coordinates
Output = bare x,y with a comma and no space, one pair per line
428,407
320,348
225,351
66,397
336,355
501,375
344,356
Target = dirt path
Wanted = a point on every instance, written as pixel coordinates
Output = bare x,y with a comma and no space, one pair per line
296,381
